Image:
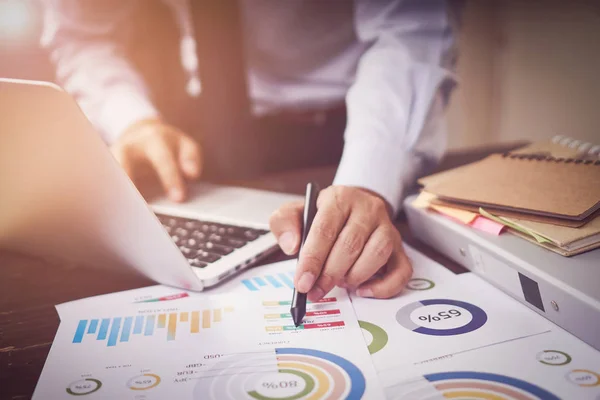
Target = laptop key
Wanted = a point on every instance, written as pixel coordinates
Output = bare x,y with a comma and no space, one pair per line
215,248
225,241
206,257
197,263
186,250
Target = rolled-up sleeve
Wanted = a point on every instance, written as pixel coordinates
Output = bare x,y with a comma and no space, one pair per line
87,41
394,132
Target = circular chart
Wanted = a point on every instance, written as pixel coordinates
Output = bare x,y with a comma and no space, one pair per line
294,373
441,317
143,382
485,386
84,386
553,357
420,284
584,378
379,337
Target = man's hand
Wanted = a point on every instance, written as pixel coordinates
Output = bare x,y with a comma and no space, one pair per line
352,243
170,153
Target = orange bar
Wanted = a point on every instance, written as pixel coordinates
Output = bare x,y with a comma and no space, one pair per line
162,320
195,328
183,317
217,315
172,326
206,319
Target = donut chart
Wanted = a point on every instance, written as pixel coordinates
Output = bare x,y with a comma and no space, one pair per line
84,386
379,336
290,374
485,386
448,318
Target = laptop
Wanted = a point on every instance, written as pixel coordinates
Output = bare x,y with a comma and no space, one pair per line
565,290
64,196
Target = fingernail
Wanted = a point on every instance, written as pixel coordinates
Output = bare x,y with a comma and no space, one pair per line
364,292
306,282
191,166
287,242
316,294
176,194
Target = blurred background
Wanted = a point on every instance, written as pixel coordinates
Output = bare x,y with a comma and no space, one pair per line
527,69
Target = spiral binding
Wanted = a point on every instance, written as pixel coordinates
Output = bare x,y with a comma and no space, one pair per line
588,151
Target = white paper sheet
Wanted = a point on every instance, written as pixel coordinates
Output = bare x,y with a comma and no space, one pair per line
460,314
547,366
210,347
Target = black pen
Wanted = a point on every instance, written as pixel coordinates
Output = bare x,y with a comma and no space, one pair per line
298,309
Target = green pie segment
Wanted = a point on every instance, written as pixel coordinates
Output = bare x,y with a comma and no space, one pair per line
380,337
308,387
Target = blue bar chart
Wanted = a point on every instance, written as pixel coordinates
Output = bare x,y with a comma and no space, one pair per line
277,281
123,329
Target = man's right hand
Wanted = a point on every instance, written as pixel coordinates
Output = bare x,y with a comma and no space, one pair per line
170,153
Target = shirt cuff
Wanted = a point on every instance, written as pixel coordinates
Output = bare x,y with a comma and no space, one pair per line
385,170
122,108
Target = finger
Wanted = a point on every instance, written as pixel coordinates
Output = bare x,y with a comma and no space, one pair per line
346,250
124,160
286,225
326,227
399,271
162,159
190,159
375,254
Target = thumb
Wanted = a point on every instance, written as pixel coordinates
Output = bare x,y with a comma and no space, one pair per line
286,225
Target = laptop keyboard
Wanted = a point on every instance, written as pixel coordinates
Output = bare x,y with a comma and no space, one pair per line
203,242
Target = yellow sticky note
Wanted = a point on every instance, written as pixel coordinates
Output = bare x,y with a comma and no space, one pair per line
466,217
423,200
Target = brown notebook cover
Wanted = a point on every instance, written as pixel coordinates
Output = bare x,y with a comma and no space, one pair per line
558,187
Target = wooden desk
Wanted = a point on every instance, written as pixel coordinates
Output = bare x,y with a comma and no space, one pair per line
30,287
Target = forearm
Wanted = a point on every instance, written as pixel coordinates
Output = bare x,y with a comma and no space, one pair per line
395,130
89,54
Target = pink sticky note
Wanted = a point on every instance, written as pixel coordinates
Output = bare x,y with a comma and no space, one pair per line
487,225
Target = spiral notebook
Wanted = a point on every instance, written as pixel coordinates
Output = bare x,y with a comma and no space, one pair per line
558,179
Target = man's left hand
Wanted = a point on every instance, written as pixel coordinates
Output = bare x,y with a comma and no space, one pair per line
352,243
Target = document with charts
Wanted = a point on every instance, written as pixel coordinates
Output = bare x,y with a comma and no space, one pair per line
457,315
211,347
549,366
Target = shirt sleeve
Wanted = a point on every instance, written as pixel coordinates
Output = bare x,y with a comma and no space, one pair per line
87,42
395,128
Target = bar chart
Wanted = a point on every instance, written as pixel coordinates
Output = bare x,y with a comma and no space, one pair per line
121,329
321,314
277,281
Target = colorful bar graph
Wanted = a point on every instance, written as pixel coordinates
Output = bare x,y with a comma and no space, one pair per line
93,326
120,329
114,332
281,328
126,329
288,302
80,331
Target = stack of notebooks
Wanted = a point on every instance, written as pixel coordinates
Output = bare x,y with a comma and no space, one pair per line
547,193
